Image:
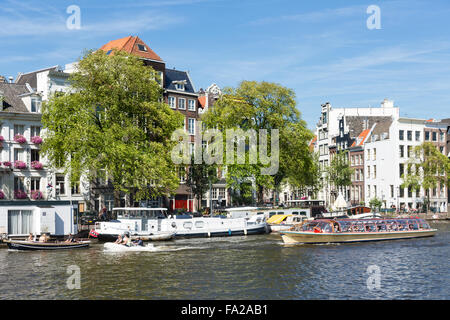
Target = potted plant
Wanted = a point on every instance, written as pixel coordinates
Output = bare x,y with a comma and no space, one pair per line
36,195
7,164
19,138
1,141
36,140
19,164
36,165
19,194
2,195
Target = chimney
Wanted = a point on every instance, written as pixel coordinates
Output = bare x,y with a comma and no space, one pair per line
10,79
387,103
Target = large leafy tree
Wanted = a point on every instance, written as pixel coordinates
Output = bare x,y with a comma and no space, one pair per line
199,178
263,106
113,124
428,168
339,173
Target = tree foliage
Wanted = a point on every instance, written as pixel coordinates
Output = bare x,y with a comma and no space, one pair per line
199,178
339,173
263,105
112,124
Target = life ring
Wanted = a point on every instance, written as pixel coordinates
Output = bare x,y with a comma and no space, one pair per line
317,230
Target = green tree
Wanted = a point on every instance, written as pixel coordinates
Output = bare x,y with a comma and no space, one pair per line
428,168
339,173
199,178
256,106
375,204
112,124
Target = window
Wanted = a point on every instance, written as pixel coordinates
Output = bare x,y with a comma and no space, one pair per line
402,169
409,151
417,135
402,151
20,221
441,136
34,155
374,172
19,129
19,184
35,184
19,155
182,103
179,86
191,126
409,192
427,135
392,191
60,184
172,102
214,193
222,193
401,135
187,225
434,136
182,174
374,154
409,135
141,47
402,192
191,105
35,131
368,171
368,154
75,187
35,105
199,224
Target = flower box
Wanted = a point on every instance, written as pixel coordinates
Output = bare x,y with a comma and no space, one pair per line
19,138
2,195
7,164
20,164
36,195
36,165
19,194
1,141
36,140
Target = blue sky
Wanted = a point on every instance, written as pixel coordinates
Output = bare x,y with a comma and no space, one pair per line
321,49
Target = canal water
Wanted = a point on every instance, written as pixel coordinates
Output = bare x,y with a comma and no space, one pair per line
250,267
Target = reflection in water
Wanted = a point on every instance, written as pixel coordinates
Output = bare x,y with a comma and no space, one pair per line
253,267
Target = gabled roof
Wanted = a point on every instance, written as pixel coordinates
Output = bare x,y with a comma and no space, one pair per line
132,45
172,76
11,100
31,77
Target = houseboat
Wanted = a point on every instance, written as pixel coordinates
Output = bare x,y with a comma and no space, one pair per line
144,222
280,222
357,230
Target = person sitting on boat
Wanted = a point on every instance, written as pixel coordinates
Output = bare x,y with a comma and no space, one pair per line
126,240
70,238
44,238
30,237
138,242
119,239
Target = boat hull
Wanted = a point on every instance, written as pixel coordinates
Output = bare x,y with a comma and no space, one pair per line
26,245
315,238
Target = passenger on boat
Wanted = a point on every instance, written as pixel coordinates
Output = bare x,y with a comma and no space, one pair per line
126,240
138,242
44,238
119,239
70,238
30,237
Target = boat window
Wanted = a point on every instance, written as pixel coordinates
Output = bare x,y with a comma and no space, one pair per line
295,213
280,212
272,213
187,225
199,224
303,213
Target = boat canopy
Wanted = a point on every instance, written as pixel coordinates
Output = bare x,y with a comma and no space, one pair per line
364,225
278,218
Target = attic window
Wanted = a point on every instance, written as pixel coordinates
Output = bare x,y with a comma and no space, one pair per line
141,47
179,86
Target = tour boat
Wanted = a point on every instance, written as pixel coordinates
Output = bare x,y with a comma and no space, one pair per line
35,245
152,222
357,230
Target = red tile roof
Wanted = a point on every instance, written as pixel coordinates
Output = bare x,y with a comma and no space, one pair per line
312,143
361,138
202,101
130,44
